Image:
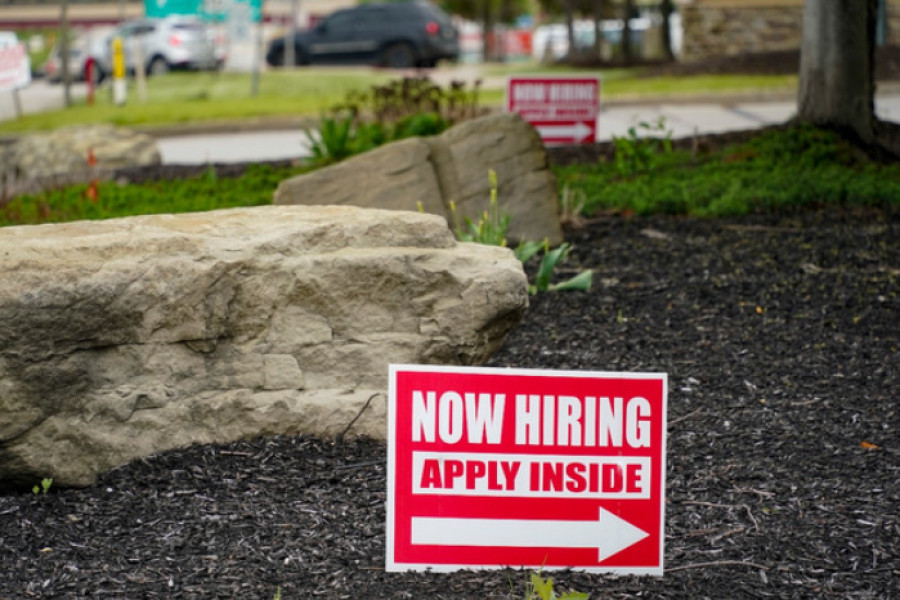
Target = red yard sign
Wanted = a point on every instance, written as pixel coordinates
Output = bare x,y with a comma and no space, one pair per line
564,110
489,468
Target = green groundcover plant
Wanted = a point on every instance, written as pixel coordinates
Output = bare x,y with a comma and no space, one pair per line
109,199
781,169
638,151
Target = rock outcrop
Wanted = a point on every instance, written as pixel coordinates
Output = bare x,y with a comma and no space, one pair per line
453,167
67,149
127,337
37,161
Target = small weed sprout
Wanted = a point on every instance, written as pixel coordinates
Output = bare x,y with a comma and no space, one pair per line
491,230
539,588
551,258
44,487
571,207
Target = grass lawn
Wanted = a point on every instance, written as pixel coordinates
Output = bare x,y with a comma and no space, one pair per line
207,97
196,97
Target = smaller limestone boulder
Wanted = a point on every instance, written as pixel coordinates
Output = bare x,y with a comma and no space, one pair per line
451,167
395,177
513,149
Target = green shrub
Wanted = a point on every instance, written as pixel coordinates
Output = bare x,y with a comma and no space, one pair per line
637,152
413,106
335,139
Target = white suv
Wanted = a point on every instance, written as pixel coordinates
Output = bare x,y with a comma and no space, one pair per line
165,44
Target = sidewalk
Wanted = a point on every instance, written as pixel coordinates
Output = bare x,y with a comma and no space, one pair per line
38,96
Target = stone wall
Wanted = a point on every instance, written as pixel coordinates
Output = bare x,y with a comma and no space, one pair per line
728,27
892,28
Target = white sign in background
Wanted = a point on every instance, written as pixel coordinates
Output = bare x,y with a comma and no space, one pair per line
15,66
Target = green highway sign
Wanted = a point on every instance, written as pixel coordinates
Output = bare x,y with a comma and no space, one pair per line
211,10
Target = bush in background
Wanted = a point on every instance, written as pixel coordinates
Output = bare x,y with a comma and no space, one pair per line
408,107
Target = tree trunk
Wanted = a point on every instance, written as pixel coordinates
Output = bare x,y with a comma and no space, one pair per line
627,56
837,67
570,26
487,27
665,7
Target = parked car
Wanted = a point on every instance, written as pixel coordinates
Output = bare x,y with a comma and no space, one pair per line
178,42
82,46
397,35
53,68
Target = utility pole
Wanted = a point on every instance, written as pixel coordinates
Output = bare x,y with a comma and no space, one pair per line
64,51
257,51
290,58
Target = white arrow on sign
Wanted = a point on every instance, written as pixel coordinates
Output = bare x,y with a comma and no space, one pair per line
576,131
610,534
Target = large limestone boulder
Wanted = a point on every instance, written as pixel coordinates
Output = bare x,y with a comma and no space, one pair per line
126,337
453,167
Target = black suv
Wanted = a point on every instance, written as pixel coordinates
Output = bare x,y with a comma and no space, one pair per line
397,35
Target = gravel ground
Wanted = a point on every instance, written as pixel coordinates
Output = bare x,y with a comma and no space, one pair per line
780,336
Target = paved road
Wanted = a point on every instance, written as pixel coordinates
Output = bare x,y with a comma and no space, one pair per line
681,119
233,147
38,97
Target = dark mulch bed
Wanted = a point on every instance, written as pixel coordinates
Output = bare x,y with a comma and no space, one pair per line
781,338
